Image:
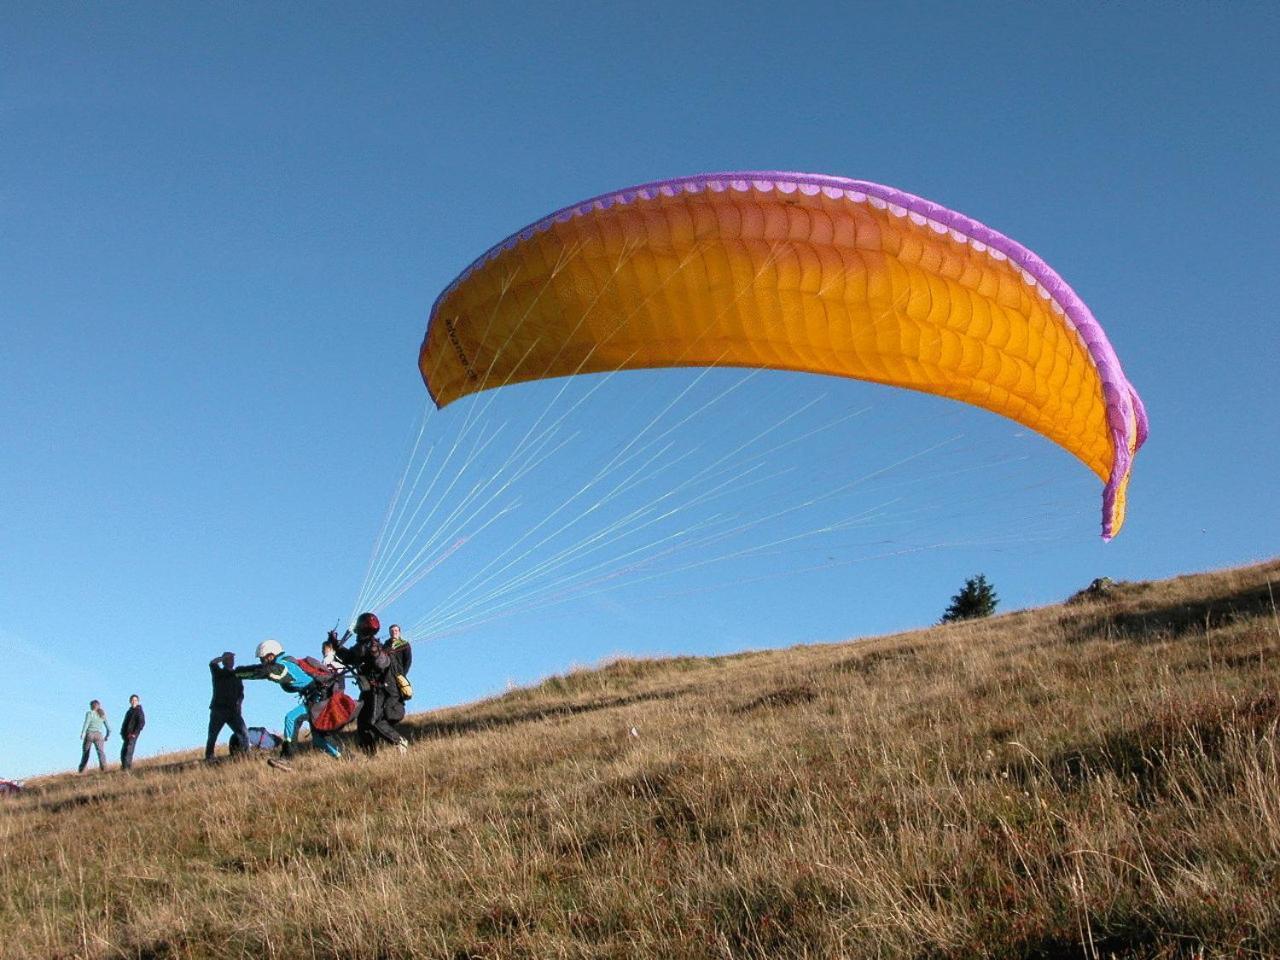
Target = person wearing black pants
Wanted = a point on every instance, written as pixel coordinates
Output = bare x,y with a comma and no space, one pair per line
134,721
374,721
380,704
224,708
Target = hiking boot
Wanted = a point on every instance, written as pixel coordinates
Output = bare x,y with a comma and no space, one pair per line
286,751
403,746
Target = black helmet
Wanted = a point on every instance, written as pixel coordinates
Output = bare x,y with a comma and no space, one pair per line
367,623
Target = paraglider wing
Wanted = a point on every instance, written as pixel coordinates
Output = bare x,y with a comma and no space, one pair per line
794,272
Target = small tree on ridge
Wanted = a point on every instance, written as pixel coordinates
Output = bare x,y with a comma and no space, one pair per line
976,599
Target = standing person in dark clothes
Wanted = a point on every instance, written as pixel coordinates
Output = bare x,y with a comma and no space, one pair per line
380,705
224,708
93,734
130,727
400,648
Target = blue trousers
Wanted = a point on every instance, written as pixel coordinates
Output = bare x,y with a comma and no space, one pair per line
295,717
92,741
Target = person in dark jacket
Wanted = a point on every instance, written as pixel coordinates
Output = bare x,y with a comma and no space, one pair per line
400,648
380,704
224,708
130,727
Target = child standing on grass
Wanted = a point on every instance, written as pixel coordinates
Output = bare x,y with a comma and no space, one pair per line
93,734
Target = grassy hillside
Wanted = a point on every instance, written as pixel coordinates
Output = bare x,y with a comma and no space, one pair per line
1094,779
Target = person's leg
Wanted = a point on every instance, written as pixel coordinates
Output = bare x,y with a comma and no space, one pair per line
325,744
215,728
364,723
84,755
291,721
235,720
100,745
393,713
380,724
126,753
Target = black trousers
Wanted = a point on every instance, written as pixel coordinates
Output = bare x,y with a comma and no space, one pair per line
229,717
372,723
126,752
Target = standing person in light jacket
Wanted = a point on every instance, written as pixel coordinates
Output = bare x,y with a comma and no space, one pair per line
132,724
224,708
93,734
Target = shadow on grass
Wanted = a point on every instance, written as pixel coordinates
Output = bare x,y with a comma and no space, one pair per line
435,729
788,696
873,661
1164,622
1142,755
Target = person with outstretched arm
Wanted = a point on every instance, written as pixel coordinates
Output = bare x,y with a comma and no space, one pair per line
376,670
273,665
225,707
134,720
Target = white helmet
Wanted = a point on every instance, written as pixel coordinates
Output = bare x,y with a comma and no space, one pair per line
267,648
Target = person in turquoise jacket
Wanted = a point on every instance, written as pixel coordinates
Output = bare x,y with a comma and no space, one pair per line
274,666
93,734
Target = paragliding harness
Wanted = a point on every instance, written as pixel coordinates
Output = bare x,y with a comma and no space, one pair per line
328,704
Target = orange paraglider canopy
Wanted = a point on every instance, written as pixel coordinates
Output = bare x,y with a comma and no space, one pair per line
792,272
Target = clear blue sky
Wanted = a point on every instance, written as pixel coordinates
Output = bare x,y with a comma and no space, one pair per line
222,227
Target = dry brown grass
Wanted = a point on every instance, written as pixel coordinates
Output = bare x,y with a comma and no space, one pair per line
1096,779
